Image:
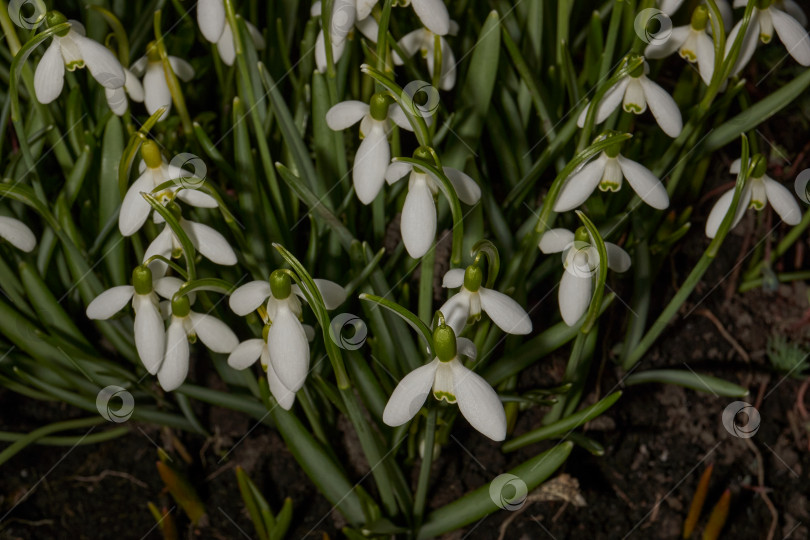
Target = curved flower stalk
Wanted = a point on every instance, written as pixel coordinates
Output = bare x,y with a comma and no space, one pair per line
418,224
71,50
424,41
286,340
770,15
581,264
466,306
17,233
635,92
154,172
149,329
669,7
449,380
346,14
116,98
374,154
760,191
155,86
215,28
692,42
606,172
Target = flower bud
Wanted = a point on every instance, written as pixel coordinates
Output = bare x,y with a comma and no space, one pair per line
151,154
473,276
142,279
378,106
280,285
181,307
444,342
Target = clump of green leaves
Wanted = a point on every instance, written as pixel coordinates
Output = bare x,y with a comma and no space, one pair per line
787,357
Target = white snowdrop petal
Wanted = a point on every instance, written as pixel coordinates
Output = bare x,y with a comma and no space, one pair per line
167,286
644,183
467,190
103,64
210,243
466,348
609,103
156,90
149,333
705,57
211,19
505,312
663,48
226,46
17,233
453,278
418,224
579,186
447,79
246,353
410,43
215,334
196,197
433,14
749,43
791,33
289,349
721,208
116,101
396,171
110,302
281,393
478,402
135,209
249,297
555,240
782,201
574,297
456,311
370,164
364,8
663,107
345,114
369,28
396,115
736,165
49,77
410,394
793,9
133,86
669,7
618,259
320,52
181,68
174,369
342,20
161,245
333,294
138,67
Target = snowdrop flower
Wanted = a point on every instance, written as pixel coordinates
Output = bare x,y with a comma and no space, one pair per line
117,98
770,15
70,49
186,326
761,190
374,153
246,354
423,40
287,344
692,42
432,13
635,92
210,243
581,263
17,233
607,172
154,172
346,14
466,305
418,223
451,381
215,28
149,329
155,86
669,7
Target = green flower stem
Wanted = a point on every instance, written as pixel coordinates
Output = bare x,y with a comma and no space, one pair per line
32,437
426,267
171,78
785,277
688,379
424,468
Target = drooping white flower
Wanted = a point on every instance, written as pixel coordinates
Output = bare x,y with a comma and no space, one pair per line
17,233
155,85
607,172
288,347
581,263
635,92
72,50
210,243
467,304
669,7
117,98
186,326
449,380
423,40
374,154
768,16
433,14
418,223
216,28
154,172
149,329
758,193
346,14
692,42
